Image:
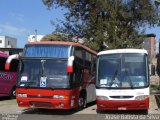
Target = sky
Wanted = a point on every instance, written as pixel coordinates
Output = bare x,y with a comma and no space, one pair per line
20,18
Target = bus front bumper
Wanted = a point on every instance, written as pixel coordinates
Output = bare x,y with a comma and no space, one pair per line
45,103
123,104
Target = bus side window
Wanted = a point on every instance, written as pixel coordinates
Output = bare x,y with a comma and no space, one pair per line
88,58
93,65
79,55
77,75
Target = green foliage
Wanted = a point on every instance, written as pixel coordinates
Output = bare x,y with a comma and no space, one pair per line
155,87
117,23
55,37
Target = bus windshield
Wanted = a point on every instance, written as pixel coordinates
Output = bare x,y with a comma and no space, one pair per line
122,70
54,51
44,73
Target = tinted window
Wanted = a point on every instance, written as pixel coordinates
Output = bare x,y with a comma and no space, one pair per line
56,51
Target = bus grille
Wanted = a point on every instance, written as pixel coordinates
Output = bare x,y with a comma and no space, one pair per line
41,104
36,96
121,97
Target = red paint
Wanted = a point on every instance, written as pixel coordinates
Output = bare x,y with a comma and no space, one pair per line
123,104
7,78
7,82
69,69
45,99
7,66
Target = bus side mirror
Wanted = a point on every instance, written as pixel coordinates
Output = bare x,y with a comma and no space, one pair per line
153,70
9,59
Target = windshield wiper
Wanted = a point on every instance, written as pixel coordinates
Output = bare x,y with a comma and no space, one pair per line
130,81
42,61
114,76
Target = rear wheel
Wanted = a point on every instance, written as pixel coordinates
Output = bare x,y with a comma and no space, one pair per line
82,102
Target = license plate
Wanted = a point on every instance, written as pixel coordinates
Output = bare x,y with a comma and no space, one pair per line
122,108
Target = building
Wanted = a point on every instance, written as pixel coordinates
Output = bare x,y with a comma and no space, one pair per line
11,51
8,42
35,38
149,44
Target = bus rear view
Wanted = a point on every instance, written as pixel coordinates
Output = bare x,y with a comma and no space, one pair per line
122,80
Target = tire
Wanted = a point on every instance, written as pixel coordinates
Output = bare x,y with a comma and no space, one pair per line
145,112
13,93
81,102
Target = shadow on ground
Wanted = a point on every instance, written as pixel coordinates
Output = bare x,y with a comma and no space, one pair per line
52,111
4,98
120,112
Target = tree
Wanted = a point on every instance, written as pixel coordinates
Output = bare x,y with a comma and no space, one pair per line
117,23
57,37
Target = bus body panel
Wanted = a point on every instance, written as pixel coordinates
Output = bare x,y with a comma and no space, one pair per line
91,90
123,104
43,98
7,77
123,99
7,82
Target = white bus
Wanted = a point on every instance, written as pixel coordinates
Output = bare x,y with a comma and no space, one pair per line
122,80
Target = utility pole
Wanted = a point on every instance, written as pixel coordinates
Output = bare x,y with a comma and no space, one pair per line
36,35
157,4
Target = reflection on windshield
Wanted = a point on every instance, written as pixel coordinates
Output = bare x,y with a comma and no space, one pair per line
43,73
122,71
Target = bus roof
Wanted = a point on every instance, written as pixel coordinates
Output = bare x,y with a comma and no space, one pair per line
61,43
2,54
114,51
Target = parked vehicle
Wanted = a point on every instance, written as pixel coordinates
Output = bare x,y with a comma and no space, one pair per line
56,75
8,77
123,80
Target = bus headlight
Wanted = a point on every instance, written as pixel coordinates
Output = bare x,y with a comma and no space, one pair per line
102,98
22,95
141,97
60,97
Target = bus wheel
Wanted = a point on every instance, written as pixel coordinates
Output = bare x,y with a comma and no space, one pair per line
145,112
82,102
13,93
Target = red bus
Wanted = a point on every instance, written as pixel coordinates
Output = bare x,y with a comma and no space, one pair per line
56,75
8,77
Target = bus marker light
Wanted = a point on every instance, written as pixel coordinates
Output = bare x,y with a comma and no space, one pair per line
102,105
7,66
69,69
70,64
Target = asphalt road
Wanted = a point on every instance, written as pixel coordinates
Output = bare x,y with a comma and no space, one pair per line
10,111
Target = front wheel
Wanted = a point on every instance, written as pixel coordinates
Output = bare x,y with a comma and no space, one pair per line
13,93
145,112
